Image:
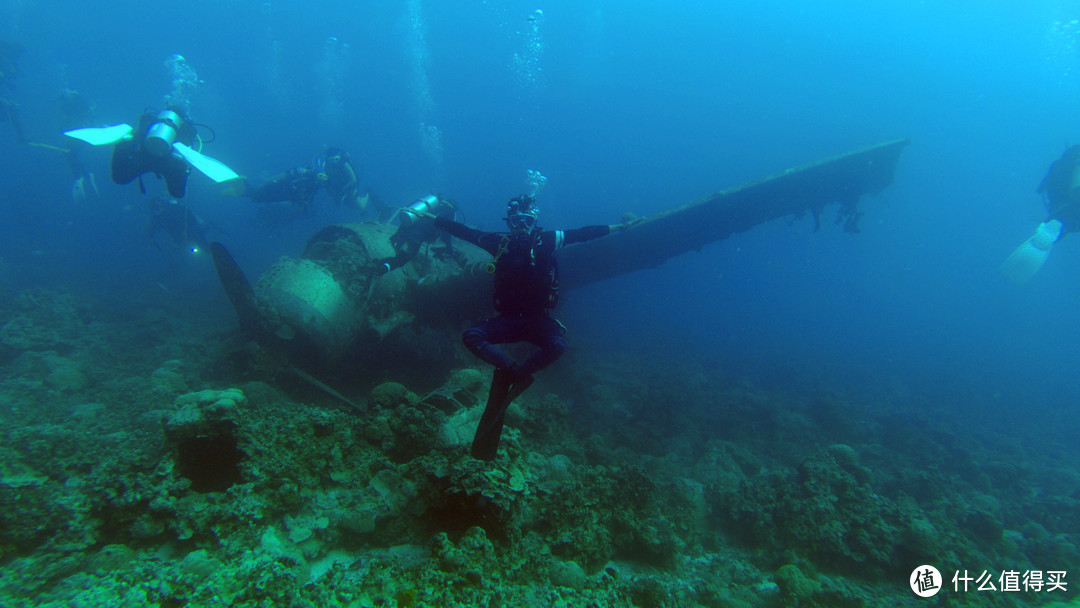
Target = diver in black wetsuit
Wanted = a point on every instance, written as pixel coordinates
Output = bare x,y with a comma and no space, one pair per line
163,143
333,170
1061,196
297,186
1061,192
526,287
342,177
150,150
175,220
76,110
413,232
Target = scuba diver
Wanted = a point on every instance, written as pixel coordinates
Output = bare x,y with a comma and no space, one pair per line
297,186
161,144
341,177
332,170
83,185
74,110
525,288
150,152
176,221
1061,196
415,229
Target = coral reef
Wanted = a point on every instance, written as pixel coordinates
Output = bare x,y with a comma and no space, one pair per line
151,478
826,509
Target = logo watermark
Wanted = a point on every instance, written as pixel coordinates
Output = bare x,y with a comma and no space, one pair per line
927,581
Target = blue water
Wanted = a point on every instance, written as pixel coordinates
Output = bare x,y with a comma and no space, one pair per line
627,106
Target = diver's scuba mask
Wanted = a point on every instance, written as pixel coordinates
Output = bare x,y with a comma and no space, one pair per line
521,214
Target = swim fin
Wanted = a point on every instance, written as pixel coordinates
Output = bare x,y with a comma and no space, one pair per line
214,169
505,387
1029,257
100,136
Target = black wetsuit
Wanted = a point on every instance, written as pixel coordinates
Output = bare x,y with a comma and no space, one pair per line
130,158
300,185
413,232
297,186
1061,187
341,177
526,286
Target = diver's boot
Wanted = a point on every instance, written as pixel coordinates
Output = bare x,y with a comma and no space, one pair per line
486,441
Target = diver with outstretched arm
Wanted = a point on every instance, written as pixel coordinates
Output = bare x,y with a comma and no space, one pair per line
525,288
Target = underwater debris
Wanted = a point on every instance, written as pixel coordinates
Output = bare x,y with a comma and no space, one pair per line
203,434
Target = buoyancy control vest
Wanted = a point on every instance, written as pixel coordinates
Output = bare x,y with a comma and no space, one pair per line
526,276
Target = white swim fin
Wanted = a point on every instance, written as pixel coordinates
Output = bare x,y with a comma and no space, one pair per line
1029,257
215,170
101,136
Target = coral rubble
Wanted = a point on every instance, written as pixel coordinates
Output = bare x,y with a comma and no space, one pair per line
145,480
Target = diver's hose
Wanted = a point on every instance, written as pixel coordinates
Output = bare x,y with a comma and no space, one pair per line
213,134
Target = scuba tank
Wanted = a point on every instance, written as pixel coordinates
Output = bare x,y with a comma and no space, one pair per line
162,133
429,203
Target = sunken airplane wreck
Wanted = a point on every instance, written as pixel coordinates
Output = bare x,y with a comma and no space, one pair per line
334,314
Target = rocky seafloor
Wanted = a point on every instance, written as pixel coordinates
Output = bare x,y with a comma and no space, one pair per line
136,469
